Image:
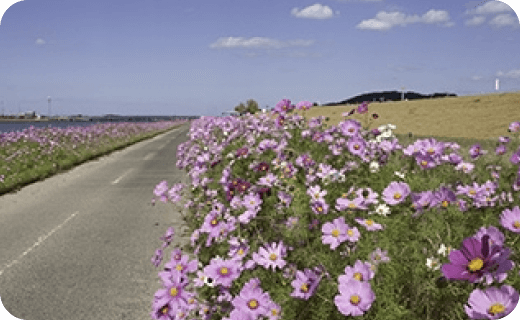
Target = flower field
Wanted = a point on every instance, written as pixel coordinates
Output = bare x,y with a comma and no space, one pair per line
292,219
34,154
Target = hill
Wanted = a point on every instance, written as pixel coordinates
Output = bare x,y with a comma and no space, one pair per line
389,96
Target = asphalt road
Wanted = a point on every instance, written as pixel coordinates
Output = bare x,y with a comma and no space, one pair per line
78,245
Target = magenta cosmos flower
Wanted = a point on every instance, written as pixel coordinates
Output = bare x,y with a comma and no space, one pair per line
271,256
492,303
223,272
510,219
334,233
396,192
355,298
475,259
252,300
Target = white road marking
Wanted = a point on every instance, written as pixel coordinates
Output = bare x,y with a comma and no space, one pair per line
37,243
121,177
149,156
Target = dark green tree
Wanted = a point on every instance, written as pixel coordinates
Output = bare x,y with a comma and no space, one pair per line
252,106
241,108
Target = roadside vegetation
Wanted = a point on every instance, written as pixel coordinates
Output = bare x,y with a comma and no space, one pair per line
295,217
35,154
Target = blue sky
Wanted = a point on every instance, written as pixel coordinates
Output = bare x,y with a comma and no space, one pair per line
169,57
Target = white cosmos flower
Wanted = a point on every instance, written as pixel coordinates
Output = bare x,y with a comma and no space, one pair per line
433,263
383,210
401,175
391,126
444,250
374,167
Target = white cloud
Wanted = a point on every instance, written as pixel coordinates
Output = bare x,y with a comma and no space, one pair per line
374,24
40,41
258,42
436,16
504,19
386,20
475,21
316,11
490,7
515,73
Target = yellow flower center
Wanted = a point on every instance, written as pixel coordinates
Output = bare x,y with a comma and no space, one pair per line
496,308
516,224
356,147
252,304
335,233
179,267
274,312
223,270
164,310
475,264
430,151
272,256
352,205
369,222
214,221
472,192
350,232
173,292
445,203
397,196
251,202
344,195
424,163
240,251
320,209
191,301
358,276
316,195
354,299
304,288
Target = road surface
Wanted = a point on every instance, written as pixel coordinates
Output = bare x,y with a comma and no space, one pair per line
78,245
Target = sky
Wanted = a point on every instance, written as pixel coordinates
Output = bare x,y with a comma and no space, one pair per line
201,57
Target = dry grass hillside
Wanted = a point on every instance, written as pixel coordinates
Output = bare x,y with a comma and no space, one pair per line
478,117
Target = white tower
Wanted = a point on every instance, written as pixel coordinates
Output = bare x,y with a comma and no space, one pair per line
402,93
496,84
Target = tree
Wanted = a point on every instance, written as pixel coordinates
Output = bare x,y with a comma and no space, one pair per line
241,108
252,106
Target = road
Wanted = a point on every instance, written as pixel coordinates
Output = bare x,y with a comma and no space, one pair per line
78,245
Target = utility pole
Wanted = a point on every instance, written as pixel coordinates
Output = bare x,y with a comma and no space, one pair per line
402,93
49,100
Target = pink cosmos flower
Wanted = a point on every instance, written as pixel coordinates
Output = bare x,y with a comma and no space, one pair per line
492,303
334,233
355,298
252,300
510,219
305,284
396,193
361,271
272,256
369,224
223,272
